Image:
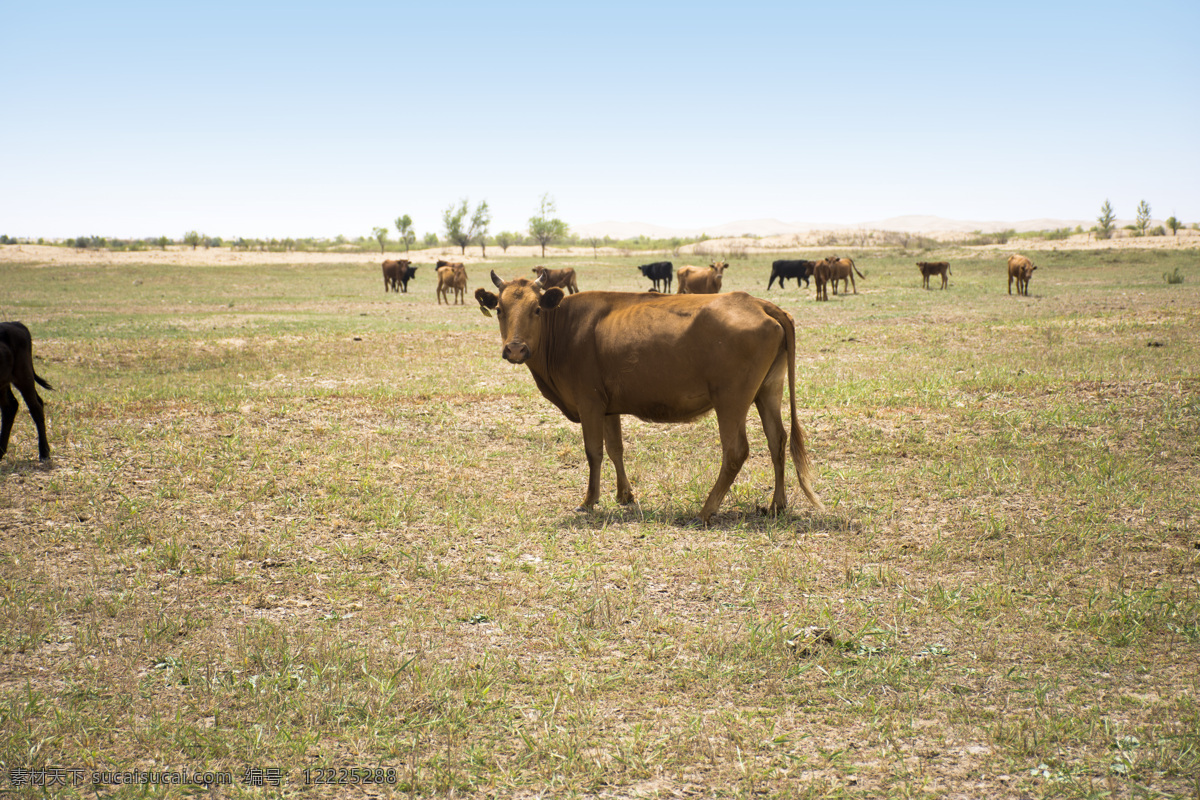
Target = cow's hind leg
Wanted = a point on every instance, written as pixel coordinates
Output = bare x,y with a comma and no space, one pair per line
8,412
769,403
734,450
615,446
37,411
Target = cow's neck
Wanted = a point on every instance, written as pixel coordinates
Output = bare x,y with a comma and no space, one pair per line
544,364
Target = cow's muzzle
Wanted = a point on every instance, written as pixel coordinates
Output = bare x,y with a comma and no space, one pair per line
516,352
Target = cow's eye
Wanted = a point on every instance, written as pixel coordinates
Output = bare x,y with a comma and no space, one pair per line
499,312
537,312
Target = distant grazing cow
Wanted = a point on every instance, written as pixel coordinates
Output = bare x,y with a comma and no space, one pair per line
931,268
701,280
659,272
563,278
784,269
662,358
843,269
16,369
451,276
821,275
1021,269
396,275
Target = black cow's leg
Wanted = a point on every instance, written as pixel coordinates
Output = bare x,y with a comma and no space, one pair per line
8,412
615,446
36,410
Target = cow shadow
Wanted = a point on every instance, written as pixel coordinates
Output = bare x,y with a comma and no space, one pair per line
801,520
24,466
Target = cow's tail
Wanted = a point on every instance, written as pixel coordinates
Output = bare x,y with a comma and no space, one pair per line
855,268
799,451
42,381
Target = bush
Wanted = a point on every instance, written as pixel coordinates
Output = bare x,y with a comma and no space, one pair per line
1173,277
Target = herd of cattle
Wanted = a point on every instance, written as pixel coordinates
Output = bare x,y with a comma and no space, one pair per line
701,280
598,355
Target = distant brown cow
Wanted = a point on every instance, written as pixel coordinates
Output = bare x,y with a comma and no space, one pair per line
16,369
931,268
396,275
451,276
701,280
1020,268
821,277
843,269
563,278
662,358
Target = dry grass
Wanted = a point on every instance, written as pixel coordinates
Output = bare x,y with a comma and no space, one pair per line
294,523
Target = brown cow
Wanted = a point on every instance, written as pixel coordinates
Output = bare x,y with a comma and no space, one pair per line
662,358
701,280
563,278
931,268
396,275
1020,268
452,276
16,369
842,269
821,277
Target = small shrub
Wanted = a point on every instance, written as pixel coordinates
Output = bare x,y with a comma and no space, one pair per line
1173,277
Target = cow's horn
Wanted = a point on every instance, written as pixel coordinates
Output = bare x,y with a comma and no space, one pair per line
496,280
540,283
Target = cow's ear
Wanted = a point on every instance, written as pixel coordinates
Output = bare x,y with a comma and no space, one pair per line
551,298
487,301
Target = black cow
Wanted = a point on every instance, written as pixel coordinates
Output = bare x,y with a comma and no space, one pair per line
16,368
784,269
396,275
663,271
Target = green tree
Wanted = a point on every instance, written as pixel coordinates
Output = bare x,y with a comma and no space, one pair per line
1143,217
163,242
544,227
480,221
380,235
193,238
505,240
1104,230
431,240
405,227
453,219
1174,225
460,230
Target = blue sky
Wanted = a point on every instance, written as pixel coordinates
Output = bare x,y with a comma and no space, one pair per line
265,119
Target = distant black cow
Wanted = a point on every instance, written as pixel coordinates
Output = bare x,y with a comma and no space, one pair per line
396,275
663,271
16,368
784,269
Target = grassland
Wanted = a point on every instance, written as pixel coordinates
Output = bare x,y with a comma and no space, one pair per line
293,523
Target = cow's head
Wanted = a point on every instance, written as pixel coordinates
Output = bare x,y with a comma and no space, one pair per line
719,266
519,307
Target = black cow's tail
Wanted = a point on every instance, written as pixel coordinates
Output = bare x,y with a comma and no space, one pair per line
799,452
42,381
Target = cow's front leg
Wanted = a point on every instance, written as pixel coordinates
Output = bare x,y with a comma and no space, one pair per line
616,453
593,447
